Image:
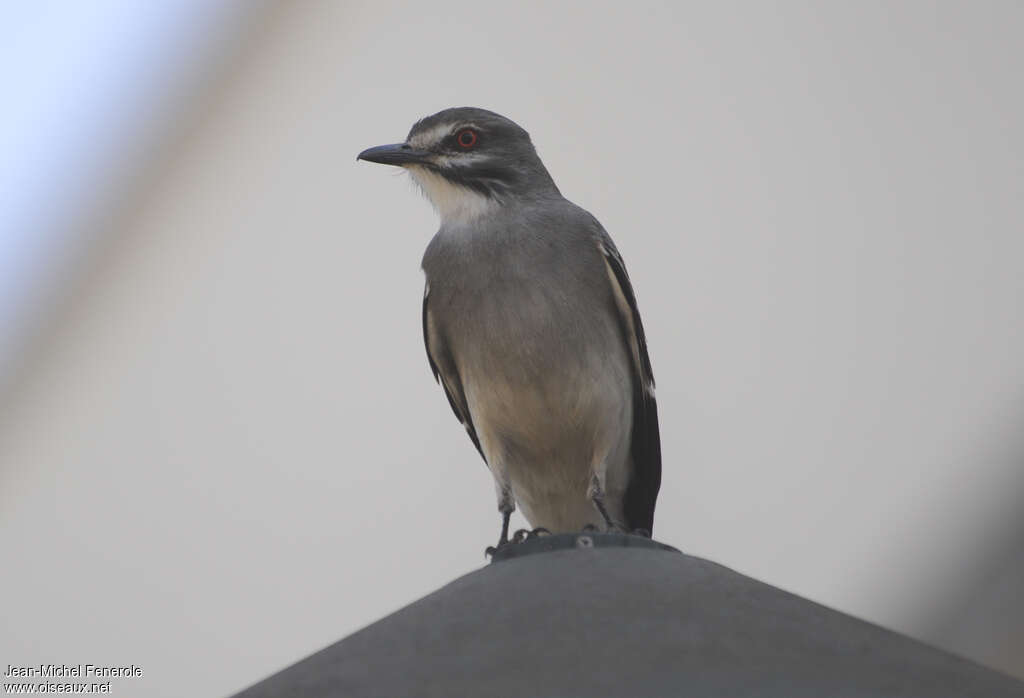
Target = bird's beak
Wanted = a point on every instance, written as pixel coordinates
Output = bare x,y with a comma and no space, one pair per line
394,154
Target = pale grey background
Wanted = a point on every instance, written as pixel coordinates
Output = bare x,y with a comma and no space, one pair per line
224,449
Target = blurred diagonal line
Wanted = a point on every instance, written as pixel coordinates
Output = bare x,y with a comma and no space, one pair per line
91,90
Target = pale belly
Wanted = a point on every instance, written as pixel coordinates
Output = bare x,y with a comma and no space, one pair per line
548,431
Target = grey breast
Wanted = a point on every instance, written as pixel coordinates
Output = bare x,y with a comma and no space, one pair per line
509,294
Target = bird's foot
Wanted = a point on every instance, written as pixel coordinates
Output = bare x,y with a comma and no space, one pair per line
523,535
519,536
503,540
641,532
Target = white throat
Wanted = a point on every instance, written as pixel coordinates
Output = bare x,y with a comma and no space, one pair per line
455,204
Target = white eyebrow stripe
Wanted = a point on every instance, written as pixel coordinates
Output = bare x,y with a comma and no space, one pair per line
431,137
437,134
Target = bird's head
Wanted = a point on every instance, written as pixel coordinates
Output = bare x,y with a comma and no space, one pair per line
468,161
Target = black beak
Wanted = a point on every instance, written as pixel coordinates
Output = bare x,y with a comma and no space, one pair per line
394,154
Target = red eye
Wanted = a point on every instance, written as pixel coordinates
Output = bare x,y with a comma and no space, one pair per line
466,138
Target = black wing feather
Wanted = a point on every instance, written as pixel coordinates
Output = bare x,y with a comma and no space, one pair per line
456,398
645,448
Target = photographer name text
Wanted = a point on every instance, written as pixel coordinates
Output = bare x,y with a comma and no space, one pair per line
76,670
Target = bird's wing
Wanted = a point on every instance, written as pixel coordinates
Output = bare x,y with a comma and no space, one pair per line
446,374
645,446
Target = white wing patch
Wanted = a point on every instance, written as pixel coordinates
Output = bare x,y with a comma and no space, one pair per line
627,313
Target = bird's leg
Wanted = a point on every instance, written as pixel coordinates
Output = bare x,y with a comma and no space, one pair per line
506,505
503,539
596,494
599,503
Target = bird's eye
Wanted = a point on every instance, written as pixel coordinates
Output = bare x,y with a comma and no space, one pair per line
466,138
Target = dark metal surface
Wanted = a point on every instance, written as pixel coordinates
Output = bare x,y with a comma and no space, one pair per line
625,617
568,541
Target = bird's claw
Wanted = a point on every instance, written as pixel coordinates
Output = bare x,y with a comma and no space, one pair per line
490,550
520,536
523,535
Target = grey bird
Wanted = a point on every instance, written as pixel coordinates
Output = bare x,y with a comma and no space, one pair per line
532,328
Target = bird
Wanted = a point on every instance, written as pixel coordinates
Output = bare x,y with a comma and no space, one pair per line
531,327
